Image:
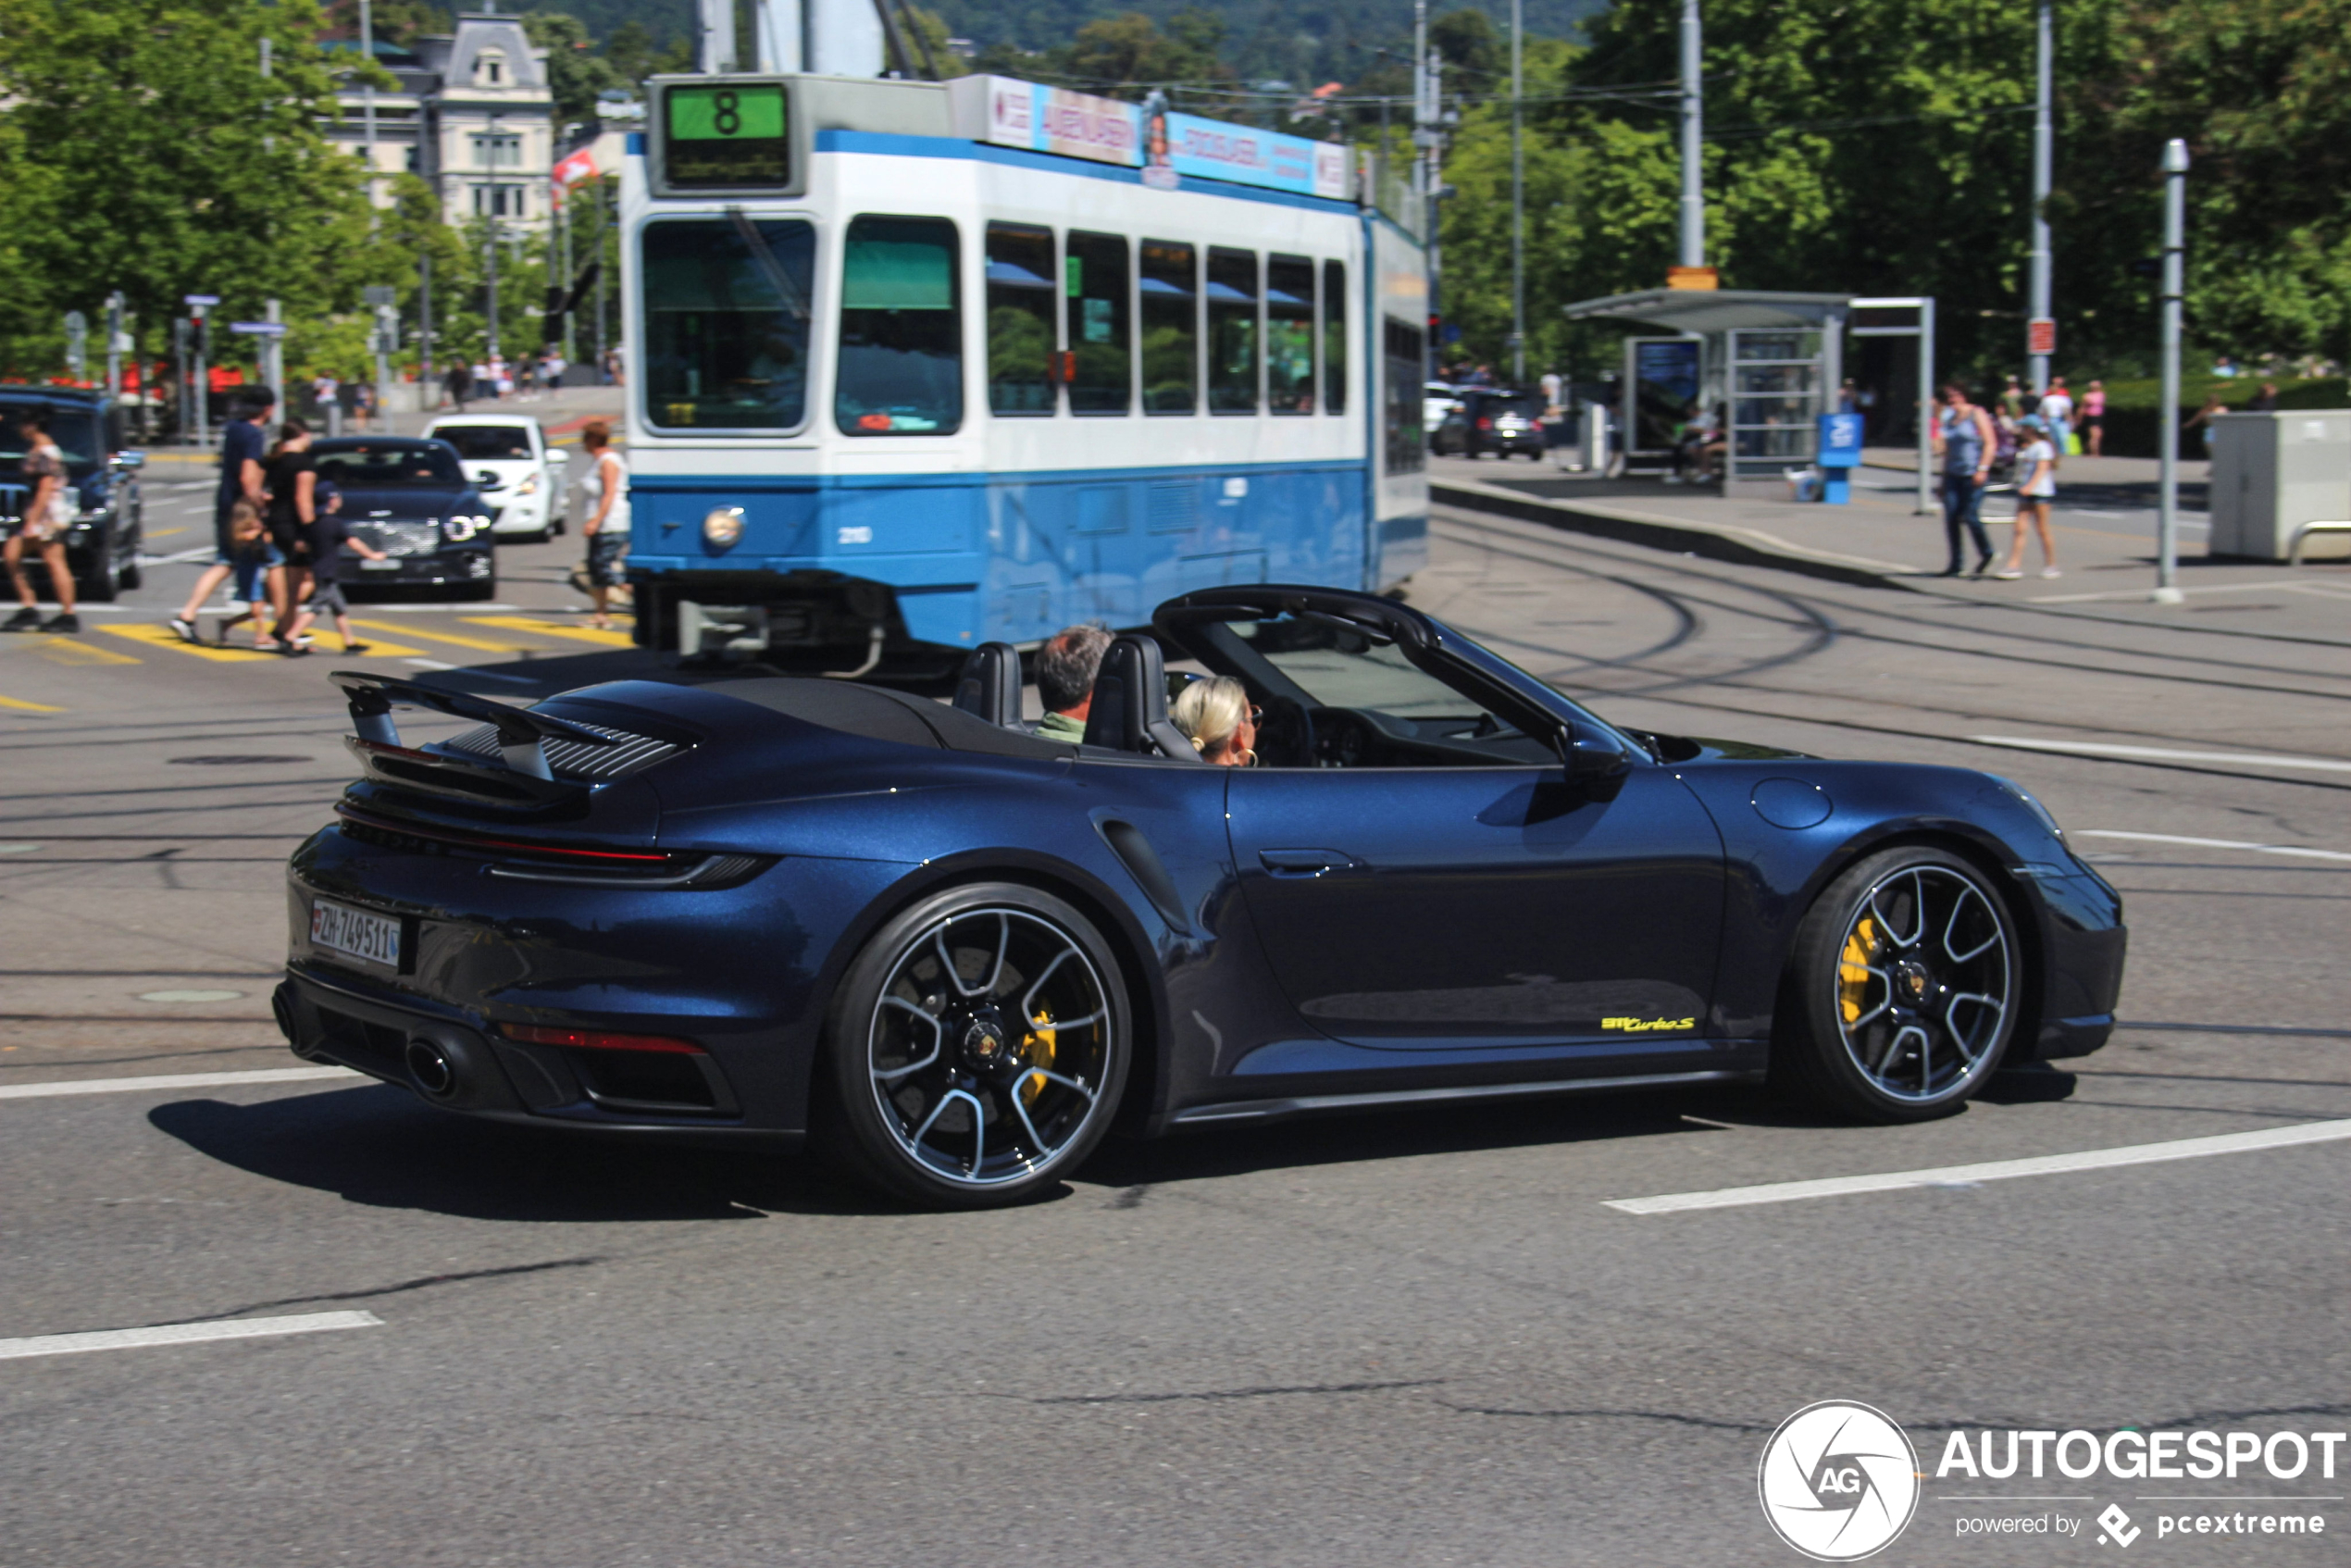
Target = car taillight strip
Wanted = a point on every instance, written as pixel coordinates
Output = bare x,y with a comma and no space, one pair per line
510,846
598,1039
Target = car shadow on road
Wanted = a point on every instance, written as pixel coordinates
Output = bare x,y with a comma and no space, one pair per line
381,1146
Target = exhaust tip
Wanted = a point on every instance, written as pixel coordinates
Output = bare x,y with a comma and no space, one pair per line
431,1069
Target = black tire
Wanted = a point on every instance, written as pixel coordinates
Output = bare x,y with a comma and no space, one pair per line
946,1089
130,577
478,591
98,585
1903,990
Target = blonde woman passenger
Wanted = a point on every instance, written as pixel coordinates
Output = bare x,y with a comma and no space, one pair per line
1216,717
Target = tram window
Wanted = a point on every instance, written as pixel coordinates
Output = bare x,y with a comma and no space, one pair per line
1171,328
1406,368
1232,331
1289,335
1020,319
1335,337
1103,377
901,349
726,328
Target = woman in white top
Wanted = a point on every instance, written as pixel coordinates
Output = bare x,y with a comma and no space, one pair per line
2037,462
604,507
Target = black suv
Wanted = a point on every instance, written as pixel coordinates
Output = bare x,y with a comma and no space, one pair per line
410,499
1486,419
102,479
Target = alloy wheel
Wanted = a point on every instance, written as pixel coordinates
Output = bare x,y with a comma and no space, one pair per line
1923,984
989,1046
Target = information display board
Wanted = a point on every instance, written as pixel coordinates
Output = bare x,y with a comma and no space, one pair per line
726,136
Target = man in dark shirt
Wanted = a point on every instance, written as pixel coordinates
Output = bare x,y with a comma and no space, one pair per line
241,445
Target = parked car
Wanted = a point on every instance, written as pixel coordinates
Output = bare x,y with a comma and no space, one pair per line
410,498
102,549
951,952
1438,399
1501,422
520,477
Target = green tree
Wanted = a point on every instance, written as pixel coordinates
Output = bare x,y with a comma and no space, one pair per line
576,73
155,158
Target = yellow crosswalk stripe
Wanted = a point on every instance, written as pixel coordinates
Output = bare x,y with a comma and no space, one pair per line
481,644
164,637
557,628
18,704
74,650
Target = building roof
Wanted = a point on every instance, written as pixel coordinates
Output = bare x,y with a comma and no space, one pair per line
1712,310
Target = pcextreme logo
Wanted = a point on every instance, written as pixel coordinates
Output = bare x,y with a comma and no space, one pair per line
1840,1481
1646,1026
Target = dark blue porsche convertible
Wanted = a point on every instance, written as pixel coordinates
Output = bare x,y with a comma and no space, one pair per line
955,954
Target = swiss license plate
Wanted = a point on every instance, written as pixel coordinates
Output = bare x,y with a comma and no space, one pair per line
379,565
371,938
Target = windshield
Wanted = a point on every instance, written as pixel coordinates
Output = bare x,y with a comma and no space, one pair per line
1343,668
727,323
485,443
383,465
74,429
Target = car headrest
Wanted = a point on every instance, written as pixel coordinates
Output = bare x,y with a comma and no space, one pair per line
1129,711
989,687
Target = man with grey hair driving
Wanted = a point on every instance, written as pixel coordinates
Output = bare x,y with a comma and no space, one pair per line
1066,665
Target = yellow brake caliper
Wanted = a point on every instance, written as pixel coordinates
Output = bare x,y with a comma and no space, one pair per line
1853,968
1037,1049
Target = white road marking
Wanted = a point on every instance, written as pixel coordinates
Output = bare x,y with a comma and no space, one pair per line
186,1333
1993,1170
2211,843
2104,749
172,1080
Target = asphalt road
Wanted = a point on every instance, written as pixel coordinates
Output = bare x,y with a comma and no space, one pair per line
1402,1340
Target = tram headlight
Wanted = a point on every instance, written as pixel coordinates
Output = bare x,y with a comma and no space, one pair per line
722,525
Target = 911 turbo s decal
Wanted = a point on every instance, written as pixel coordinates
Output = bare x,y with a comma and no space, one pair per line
1647,1025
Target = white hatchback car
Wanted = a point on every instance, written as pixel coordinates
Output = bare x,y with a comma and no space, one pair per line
520,476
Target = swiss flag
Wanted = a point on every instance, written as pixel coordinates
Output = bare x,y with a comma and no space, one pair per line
581,165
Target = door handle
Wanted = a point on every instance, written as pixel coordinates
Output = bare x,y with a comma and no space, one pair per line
1304,863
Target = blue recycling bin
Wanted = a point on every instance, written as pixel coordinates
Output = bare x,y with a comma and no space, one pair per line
1840,454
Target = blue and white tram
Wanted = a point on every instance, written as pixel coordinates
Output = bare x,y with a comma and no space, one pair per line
892,382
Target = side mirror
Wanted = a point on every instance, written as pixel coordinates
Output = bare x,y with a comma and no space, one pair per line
488,480
1591,758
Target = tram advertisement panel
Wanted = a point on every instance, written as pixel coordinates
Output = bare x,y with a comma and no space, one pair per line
1046,119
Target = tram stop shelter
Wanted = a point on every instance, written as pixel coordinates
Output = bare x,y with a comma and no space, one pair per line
1776,359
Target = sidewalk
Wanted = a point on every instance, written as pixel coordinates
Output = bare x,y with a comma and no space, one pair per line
562,411
2104,524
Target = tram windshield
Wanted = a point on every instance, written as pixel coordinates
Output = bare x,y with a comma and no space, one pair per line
727,323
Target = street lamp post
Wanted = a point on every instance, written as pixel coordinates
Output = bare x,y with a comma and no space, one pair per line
1518,194
367,100
1693,235
2044,136
2175,225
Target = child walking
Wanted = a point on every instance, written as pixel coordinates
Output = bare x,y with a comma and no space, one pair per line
254,564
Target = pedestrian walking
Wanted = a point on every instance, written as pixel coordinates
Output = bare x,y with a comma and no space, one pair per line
604,505
458,384
2213,408
292,481
49,512
327,538
2265,401
1964,438
258,570
2036,460
2056,415
2012,398
323,389
2094,418
243,446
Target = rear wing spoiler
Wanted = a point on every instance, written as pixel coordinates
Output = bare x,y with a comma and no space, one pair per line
522,735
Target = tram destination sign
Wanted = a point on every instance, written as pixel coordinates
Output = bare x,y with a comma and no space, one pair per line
725,135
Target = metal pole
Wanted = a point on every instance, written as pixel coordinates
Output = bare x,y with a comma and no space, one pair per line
1421,186
2037,365
600,280
1434,179
367,100
273,356
425,401
2175,243
114,345
1518,194
1926,405
199,384
1693,246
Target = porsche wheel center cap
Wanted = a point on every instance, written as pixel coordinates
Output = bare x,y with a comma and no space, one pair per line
984,1043
1911,976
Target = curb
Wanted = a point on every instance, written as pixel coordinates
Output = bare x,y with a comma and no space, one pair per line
1744,547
